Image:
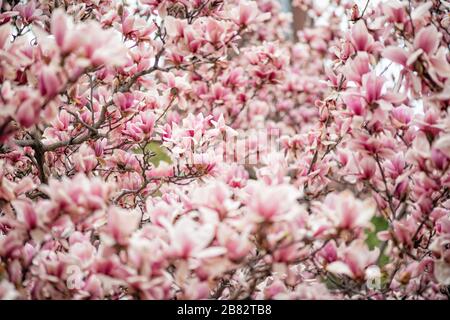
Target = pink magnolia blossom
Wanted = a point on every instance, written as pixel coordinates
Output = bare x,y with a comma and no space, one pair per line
121,225
345,212
373,86
427,39
354,260
28,12
360,37
247,13
191,239
270,203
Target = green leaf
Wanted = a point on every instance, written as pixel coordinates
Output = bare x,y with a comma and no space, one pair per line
160,153
384,260
372,241
379,224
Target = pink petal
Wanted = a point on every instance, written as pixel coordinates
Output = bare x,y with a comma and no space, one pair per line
440,63
413,57
5,31
59,26
360,36
373,85
394,97
395,54
427,39
421,11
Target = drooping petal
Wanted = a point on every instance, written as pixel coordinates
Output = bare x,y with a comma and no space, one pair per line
395,54
361,39
427,39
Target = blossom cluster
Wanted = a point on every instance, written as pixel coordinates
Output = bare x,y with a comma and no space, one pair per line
196,149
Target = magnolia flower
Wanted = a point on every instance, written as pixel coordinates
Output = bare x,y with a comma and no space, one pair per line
357,67
402,116
175,27
60,28
355,103
238,245
78,197
28,12
372,86
346,212
101,48
125,101
361,39
83,252
236,176
354,260
85,159
10,190
395,11
49,84
192,239
30,106
271,203
26,214
247,13
218,198
426,45
121,224
427,39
